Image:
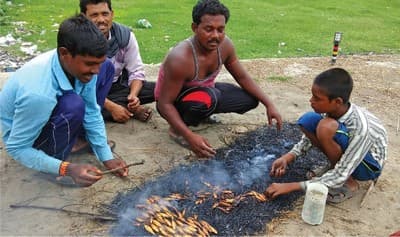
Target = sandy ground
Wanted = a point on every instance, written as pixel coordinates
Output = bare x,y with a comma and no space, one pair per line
377,87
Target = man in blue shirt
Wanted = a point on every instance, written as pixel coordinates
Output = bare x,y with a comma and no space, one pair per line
51,100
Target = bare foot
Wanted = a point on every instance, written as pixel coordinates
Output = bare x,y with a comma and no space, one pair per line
82,146
352,184
79,145
143,113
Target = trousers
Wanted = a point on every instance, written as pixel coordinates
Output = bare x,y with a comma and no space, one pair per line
120,90
65,124
197,103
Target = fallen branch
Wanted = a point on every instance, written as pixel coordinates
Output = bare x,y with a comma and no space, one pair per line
88,214
371,186
123,167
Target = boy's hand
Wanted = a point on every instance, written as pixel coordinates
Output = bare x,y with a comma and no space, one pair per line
279,166
277,189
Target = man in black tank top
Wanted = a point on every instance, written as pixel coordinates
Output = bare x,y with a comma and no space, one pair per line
186,91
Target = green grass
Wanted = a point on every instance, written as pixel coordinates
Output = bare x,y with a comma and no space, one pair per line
279,78
257,27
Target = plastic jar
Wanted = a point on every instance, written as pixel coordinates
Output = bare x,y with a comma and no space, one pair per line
314,203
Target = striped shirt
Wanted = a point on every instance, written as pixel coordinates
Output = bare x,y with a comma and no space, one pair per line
366,133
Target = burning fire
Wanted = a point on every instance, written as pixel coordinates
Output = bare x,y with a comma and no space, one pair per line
159,217
222,196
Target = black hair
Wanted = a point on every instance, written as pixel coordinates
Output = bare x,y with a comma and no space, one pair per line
211,7
81,37
335,82
83,4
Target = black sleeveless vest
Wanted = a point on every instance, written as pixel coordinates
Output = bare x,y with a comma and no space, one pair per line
120,35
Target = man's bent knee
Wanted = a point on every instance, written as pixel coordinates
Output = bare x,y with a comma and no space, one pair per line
253,103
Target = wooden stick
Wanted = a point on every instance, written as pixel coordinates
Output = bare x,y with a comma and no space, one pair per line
126,166
87,214
371,186
143,149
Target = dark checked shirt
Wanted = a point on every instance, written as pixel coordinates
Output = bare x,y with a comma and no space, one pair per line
367,134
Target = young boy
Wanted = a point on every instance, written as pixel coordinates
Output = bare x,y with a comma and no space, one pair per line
354,140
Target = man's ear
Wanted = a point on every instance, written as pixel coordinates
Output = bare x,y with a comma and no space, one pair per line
194,27
62,51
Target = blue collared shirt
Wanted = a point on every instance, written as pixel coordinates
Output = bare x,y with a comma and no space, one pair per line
26,104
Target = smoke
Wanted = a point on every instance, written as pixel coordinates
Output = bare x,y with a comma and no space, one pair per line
242,167
254,169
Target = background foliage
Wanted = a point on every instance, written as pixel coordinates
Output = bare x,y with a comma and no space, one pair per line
259,28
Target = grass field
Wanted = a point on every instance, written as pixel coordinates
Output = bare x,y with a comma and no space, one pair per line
259,28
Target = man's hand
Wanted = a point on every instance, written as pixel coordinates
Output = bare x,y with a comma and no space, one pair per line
84,174
277,189
117,163
200,146
273,114
120,114
133,103
279,166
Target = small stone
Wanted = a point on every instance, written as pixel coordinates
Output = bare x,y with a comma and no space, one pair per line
241,129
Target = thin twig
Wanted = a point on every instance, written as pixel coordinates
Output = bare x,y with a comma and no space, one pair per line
398,124
338,207
88,214
117,155
371,186
123,167
143,149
